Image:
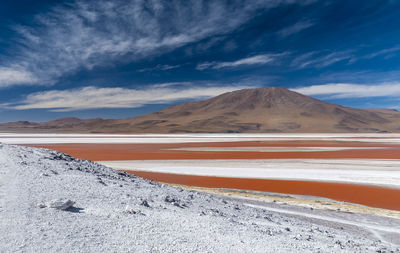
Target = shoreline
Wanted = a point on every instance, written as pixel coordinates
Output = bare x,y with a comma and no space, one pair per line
362,194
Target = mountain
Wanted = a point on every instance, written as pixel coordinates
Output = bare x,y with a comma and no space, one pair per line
262,110
58,125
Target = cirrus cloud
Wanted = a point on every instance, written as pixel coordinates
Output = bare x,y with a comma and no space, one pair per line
295,28
87,34
252,60
91,97
322,59
349,90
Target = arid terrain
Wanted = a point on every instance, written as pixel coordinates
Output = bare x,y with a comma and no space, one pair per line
52,202
262,110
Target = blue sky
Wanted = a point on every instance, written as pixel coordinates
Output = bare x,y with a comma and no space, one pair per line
122,58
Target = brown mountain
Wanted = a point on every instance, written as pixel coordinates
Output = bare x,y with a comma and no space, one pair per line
251,110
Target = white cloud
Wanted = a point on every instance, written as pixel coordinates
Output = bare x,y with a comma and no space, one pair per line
385,52
160,67
16,76
92,97
253,60
321,59
83,35
297,27
348,90
205,65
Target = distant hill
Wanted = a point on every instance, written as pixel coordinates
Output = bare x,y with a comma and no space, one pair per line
262,110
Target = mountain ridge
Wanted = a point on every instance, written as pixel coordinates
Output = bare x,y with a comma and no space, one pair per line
260,110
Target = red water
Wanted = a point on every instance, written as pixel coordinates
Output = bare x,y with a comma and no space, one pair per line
115,152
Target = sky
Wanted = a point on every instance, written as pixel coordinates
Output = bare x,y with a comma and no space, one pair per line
124,58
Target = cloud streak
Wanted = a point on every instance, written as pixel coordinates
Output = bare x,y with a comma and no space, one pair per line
253,60
160,67
91,97
84,35
318,59
348,90
296,28
383,52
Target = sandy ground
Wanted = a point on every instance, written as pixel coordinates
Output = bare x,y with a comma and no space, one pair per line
296,200
117,212
317,208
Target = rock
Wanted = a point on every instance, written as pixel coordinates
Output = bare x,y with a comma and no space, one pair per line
145,203
169,199
133,211
60,204
101,182
175,201
41,205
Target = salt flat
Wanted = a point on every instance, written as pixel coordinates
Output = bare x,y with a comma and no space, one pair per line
372,171
188,138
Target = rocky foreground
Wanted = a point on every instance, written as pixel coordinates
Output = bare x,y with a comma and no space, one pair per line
51,202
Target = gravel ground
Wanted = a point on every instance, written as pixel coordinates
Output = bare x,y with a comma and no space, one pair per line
110,211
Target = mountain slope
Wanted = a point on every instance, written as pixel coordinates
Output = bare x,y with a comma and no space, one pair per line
266,110
251,110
